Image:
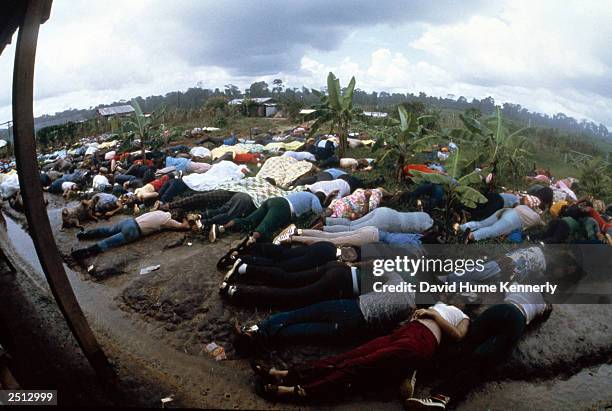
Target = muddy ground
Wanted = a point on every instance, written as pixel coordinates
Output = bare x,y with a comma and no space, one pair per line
159,324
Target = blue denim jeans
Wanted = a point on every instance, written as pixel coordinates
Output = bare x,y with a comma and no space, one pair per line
327,319
491,271
510,200
495,226
121,233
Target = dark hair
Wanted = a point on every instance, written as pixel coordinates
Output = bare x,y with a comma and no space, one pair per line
321,196
177,214
545,194
574,211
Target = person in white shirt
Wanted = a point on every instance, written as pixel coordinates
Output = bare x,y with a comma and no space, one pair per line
333,189
100,181
300,155
129,230
382,359
493,335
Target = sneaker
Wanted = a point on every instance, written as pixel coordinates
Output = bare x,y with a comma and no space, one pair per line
407,387
231,275
285,235
436,402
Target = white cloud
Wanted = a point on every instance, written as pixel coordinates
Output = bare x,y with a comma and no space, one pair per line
545,56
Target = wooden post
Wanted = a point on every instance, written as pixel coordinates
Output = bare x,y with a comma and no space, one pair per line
31,189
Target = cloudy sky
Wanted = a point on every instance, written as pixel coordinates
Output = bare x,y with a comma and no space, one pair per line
546,55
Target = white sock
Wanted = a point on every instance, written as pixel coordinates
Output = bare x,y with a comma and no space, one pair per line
242,269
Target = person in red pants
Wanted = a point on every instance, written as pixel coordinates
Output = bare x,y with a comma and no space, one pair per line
382,359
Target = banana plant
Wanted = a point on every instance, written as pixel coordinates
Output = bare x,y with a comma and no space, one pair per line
595,179
141,125
459,190
403,144
508,153
335,108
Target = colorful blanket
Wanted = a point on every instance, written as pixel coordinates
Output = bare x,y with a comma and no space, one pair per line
284,170
257,188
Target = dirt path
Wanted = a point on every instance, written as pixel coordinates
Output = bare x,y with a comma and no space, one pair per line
155,327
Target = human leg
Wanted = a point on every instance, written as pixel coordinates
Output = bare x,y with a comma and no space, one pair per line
253,219
382,359
125,232
321,320
240,204
202,201
493,335
335,283
174,187
507,223
279,277
277,217
357,238
491,270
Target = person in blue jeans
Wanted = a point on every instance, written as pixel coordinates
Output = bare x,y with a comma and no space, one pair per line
333,319
128,231
503,222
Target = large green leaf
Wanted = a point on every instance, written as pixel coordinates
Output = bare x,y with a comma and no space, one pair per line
378,144
347,99
469,196
434,178
404,118
473,125
318,93
471,178
333,91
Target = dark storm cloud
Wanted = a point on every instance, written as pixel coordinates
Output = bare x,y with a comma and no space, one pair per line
260,37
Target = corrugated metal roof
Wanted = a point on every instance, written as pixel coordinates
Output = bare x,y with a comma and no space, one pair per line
259,100
375,114
111,111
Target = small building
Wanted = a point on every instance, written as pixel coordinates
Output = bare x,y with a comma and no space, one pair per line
115,111
375,114
257,106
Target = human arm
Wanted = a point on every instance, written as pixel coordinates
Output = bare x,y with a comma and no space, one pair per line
118,206
175,225
455,333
